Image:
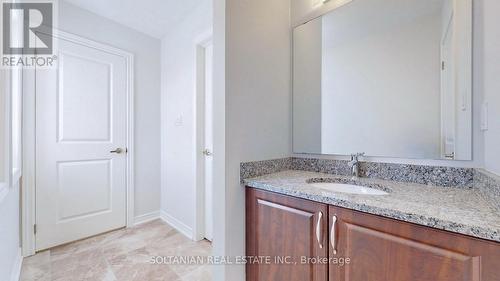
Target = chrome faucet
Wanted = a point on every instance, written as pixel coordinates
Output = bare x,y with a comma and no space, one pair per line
354,163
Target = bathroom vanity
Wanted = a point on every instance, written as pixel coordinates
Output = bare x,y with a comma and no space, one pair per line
427,233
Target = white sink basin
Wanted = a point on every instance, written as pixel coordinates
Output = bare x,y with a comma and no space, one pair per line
348,188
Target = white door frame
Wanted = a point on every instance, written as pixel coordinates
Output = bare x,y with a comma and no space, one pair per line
28,200
201,42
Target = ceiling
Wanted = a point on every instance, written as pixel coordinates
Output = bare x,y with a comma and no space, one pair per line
152,17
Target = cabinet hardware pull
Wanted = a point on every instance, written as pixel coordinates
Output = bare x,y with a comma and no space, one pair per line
319,230
333,235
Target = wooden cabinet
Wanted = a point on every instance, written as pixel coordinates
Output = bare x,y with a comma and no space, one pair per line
382,249
378,248
285,229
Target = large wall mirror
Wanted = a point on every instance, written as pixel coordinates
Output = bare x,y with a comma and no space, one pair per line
391,78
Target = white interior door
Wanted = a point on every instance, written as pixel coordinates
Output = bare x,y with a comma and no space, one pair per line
81,117
209,142
448,101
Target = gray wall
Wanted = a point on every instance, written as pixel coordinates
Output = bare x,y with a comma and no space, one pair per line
257,101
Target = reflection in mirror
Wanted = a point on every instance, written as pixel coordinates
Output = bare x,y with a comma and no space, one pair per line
391,78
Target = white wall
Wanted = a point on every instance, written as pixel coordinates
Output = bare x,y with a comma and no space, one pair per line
9,233
257,97
178,102
302,11
147,51
491,70
4,160
9,199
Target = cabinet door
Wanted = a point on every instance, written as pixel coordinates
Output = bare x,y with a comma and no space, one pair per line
382,249
287,230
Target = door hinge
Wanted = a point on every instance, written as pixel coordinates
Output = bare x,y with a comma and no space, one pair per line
442,65
34,228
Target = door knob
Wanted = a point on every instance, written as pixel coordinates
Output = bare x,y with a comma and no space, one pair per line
117,151
207,152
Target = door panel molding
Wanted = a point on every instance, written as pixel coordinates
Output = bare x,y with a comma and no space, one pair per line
67,212
285,226
28,202
464,265
100,68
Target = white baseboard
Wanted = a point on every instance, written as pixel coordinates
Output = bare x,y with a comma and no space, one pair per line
16,269
178,225
146,218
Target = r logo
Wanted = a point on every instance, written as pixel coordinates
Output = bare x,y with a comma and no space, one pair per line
36,22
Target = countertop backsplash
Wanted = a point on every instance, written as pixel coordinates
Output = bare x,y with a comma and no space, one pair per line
428,175
488,185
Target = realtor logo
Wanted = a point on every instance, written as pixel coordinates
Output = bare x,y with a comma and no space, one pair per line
35,20
27,33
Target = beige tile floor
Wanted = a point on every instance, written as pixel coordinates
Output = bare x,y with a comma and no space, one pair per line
121,255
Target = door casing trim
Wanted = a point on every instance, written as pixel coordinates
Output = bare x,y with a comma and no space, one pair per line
28,200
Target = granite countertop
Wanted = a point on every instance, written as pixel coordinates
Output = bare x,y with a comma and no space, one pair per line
460,210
